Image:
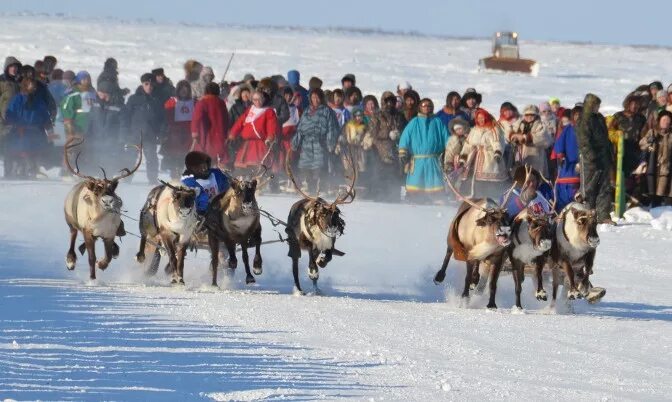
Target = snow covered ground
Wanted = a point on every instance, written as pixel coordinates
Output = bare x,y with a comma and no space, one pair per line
382,330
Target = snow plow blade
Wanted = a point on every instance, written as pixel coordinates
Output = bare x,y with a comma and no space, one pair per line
506,64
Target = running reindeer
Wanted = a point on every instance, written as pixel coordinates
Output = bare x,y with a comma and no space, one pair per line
93,208
233,218
576,240
313,225
480,232
169,220
532,233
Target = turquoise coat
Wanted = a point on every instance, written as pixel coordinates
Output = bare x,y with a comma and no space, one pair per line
423,141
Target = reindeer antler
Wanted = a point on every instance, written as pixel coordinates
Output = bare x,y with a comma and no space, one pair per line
555,192
72,143
460,196
125,172
528,174
350,193
288,170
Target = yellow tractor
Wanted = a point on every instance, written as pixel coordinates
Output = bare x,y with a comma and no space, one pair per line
506,55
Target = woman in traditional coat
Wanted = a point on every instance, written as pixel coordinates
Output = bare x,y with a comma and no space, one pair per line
482,154
209,125
531,140
420,147
179,111
658,143
566,150
256,130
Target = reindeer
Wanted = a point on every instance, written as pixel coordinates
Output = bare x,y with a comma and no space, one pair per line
93,208
576,240
532,235
169,218
233,218
313,225
479,232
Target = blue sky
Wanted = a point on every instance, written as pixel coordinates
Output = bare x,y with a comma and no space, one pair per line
643,22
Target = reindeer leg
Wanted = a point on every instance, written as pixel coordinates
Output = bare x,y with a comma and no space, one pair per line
475,277
169,244
538,270
295,253
313,270
140,255
181,250
90,243
256,264
467,279
494,276
233,261
109,251
572,292
441,274
517,272
556,283
71,257
249,278
214,256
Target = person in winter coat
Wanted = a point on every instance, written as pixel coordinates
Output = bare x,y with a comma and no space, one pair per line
658,144
75,108
198,88
111,74
294,78
163,86
243,100
41,91
210,124
469,104
199,174
286,134
657,105
28,116
255,131
350,144
58,86
420,147
632,124
336,104
315,140
277,100
348,81
371,107
531,140
458,129
482,154
384,130
143,117
179,113
103,132
451,109
597,158
9,86
566,150
411,103
353,98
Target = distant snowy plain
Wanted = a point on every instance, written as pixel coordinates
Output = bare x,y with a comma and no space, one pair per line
382,330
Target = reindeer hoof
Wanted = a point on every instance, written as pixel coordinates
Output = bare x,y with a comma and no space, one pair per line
249,279
233,264
256,264
472,286
595,295
140,258
573,295
70,262
439,277
492,306
297,292
115,250
257,270
102,264
314,275
541,295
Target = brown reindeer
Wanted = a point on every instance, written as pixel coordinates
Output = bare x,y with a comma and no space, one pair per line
313,225
169,219
93,208
479,233
532,235
233,218
576,240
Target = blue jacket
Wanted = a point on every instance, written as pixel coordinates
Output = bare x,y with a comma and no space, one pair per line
28,110
293,78
446,118
567,147
215,184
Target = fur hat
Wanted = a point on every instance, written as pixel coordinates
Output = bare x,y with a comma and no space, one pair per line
111,64
662,94
664,113
404,85
471,94
656,84
348,77
268,85
194,158
387,95
531,109
158,71
314,83
458,121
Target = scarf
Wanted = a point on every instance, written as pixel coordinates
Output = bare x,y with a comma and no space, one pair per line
254,113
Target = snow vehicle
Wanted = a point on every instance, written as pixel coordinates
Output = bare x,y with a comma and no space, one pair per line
506,55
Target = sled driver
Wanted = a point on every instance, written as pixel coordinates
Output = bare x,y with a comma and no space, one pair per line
534,194
207,181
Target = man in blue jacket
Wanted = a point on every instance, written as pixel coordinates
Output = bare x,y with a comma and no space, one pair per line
207,181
